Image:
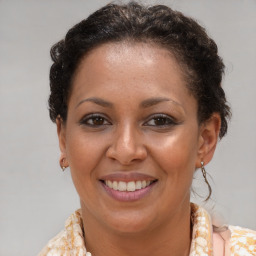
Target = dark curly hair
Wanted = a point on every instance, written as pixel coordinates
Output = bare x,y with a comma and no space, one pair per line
188,42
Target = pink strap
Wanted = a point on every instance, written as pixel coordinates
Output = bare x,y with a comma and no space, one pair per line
218,245
221,245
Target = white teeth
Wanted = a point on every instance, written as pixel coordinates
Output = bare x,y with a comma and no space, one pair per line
127,186
109,183
138,184
131,186
114,185
121,186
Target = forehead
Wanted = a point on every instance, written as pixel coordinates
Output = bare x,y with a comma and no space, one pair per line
127,52
121,56
126,68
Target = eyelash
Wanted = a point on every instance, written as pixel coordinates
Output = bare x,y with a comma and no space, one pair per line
94,117
168,121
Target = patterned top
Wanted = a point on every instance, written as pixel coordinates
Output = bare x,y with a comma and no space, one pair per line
235,241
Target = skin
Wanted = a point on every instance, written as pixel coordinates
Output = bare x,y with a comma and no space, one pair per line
129,139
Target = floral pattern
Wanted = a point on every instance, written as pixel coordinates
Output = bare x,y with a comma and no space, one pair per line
242,242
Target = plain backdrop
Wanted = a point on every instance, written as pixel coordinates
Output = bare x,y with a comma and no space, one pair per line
35,196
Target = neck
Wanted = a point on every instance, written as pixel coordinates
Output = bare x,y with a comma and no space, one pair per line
171,238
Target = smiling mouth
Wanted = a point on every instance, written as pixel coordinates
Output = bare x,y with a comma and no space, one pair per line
130,186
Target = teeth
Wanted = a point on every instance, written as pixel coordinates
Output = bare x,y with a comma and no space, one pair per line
114,185
138,184
127,186
131,186
109,184
121,186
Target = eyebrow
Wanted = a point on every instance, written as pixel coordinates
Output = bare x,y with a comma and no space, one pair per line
153,101
97,101
144,104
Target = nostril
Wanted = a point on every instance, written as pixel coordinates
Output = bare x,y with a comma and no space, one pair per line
127,155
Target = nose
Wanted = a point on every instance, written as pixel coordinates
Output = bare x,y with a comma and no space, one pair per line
127,146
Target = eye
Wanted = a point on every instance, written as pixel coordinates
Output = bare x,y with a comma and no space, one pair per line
94,120
160,120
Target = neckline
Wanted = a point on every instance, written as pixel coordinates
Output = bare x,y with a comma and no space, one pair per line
72,239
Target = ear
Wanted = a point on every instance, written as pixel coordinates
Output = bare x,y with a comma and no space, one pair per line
61,130
208,138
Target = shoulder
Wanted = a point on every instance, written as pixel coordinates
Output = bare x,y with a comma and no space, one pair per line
69,241
55,246
242,241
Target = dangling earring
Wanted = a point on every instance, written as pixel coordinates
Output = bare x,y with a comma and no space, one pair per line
62,164
206,181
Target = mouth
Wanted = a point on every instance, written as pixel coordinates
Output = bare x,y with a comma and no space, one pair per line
130,186
127,188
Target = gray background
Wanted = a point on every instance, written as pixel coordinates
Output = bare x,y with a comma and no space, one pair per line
35,196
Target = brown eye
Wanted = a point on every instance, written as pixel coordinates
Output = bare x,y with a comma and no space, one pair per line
94,120
97,120
160,120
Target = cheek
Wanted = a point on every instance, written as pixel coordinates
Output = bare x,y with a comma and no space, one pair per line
177,153
83,154
83,149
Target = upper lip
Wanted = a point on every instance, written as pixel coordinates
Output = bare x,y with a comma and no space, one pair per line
126,177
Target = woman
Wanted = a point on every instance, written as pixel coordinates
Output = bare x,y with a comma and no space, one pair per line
136,96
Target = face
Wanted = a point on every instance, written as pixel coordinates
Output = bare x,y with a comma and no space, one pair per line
131,138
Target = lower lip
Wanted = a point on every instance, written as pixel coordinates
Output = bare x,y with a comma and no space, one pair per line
126,196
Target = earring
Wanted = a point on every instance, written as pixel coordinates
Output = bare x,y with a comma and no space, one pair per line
62,164
206,181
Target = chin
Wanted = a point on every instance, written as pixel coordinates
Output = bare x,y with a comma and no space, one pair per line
128,221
